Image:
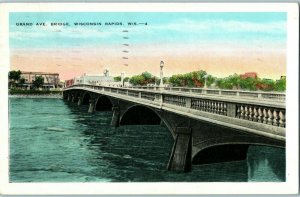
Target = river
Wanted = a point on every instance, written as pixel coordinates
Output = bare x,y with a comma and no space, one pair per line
54,141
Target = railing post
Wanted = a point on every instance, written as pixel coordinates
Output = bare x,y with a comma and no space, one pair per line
140,94
188,102
259,95
159,98
231,109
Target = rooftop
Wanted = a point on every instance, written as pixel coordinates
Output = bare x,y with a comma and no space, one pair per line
38,73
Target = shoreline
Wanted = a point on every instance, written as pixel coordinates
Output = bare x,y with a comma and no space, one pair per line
56,96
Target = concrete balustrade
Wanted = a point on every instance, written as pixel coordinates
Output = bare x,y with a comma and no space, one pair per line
267,107
267,110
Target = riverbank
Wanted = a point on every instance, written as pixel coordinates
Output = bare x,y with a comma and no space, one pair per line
58,96
19,93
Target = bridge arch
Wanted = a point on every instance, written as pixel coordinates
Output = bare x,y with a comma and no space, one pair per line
86,98
226,151
103,103
140,115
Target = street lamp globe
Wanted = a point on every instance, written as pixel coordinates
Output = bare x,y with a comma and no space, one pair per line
162,64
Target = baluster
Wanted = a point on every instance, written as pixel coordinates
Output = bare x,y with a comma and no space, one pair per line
193,104
255,114
238,111
221,108
275,119
218,108
250,113
270,114
242,112
260,115
265,116
213,109
246,112
225,109
209,106
202,105
281,118
205,105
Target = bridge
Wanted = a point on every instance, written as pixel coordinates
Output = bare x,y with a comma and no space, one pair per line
208,125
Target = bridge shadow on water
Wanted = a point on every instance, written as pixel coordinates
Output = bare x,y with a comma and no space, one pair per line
140,153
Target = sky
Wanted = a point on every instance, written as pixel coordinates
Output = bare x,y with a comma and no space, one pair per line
222,43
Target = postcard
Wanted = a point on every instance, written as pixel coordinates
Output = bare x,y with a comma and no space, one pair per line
149,98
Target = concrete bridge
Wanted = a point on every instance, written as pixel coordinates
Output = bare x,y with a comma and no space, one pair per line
208,125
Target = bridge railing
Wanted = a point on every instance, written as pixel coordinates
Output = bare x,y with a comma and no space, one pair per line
266,108
219,92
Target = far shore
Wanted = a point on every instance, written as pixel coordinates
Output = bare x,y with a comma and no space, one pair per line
58,96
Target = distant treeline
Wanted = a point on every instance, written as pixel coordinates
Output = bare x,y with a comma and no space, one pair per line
199,78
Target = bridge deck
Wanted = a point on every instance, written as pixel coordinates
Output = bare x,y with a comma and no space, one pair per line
255,112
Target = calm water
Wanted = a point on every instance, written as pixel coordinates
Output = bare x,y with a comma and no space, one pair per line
52,141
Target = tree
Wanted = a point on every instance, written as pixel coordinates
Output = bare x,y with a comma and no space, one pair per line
126,79
281,85
137,80
143,79
265,84
118,78
38,82
249,83
14,76
21,81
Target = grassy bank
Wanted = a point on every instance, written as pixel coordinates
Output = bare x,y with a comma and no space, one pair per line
33,92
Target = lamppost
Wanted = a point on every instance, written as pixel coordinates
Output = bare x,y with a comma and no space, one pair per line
205,83
161,73
122,78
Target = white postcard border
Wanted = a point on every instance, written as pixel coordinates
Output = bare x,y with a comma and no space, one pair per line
292,135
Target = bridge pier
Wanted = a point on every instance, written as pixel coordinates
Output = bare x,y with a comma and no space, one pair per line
92,106
69,97
116,116
181,156
74,98
79,101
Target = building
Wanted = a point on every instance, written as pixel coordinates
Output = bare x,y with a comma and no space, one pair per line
92,79
69,82
249,75
51,80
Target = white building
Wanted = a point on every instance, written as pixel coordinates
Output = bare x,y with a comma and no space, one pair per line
93,79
